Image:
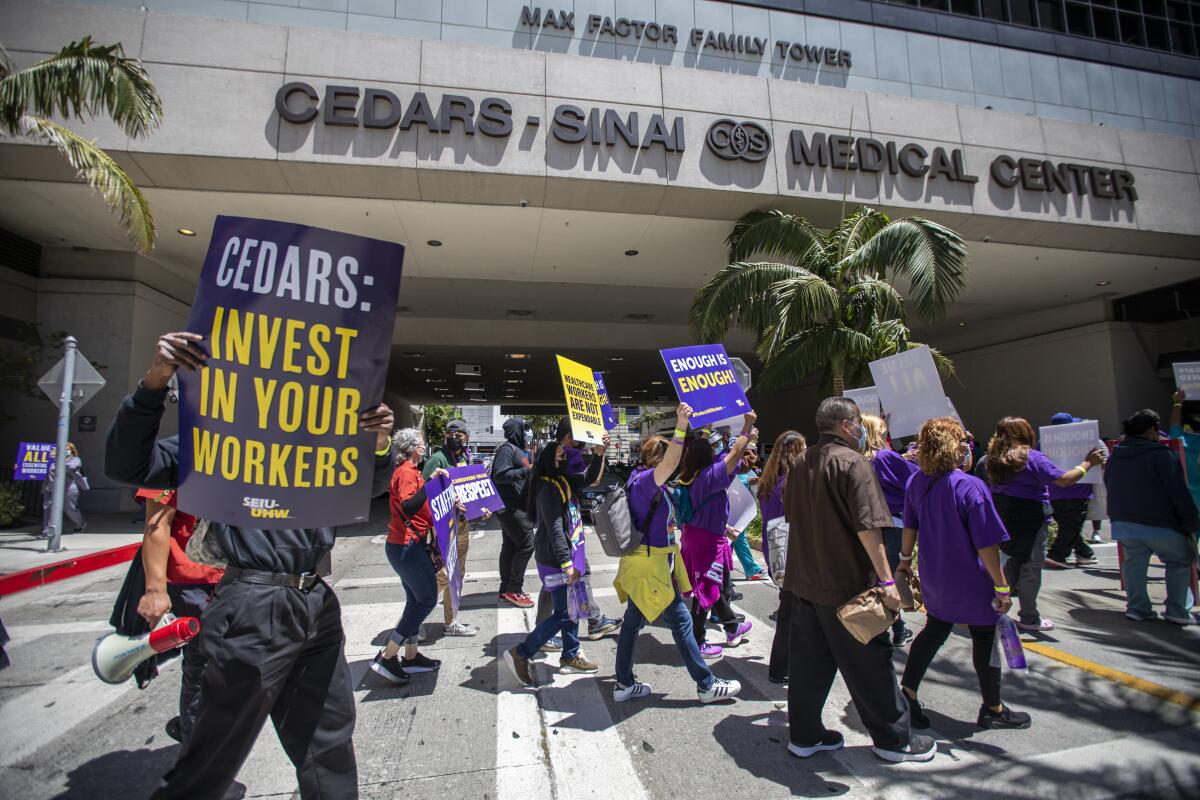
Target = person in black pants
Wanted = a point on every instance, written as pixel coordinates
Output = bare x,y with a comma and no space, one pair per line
273,631
510,473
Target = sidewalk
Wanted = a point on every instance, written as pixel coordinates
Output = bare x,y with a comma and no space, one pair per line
21,550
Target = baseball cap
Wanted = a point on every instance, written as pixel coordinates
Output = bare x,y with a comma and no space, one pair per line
1063,418
456,426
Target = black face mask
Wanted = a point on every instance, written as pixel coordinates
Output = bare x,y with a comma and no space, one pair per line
454,445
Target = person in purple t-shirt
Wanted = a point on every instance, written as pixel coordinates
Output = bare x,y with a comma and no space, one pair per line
788,446
1070,510
1019,476
893,471
951,515
701,506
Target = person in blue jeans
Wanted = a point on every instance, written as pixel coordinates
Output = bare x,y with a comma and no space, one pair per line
1152,512
650,577
410,527
553,499
748,475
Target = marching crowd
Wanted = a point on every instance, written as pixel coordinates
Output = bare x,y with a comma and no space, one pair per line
853,530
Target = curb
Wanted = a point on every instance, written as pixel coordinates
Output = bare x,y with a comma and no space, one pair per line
49,573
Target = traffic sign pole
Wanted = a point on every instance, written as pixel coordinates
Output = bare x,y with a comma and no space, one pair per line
54,544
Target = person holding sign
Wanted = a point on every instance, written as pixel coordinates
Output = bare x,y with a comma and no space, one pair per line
408,551
453,454
951,515
1186,428
1070,511
559,549
76,484
701,504
652,577
273,631
1019,476
893,472
1152,513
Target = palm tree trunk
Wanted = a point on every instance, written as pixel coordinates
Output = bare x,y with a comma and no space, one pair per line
839,383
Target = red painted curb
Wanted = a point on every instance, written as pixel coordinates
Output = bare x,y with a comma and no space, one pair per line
49,573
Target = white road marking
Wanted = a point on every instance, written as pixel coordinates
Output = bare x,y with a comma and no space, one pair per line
42,714
522,771
24,634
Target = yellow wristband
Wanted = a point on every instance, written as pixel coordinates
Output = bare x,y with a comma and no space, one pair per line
1084,468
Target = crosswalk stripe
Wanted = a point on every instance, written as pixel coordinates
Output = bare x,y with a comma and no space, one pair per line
24,634
522,770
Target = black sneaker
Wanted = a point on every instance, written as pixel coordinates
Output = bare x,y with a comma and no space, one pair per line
420,663
174,729
902,638
916,713
777,678
832,740
735,596
919,748
1005,718
389,668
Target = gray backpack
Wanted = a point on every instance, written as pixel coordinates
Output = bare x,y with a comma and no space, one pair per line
615,528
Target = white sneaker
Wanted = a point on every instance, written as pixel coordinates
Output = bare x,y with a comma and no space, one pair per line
1190,619
919,748
459,628
721,689
1096,539
623,693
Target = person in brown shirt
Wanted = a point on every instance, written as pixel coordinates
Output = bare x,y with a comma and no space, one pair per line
835,510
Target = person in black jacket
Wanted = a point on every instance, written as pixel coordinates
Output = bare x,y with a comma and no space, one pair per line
1152,512
510,473
553,499
273,631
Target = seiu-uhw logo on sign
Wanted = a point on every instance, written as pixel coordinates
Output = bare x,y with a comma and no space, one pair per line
265,508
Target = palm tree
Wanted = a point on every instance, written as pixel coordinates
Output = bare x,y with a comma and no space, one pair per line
83,80
828,303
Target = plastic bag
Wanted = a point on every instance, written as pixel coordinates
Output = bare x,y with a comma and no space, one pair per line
1008,638
581,604
776,540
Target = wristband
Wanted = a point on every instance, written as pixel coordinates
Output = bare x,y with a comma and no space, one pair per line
387,451
566,566
1002,589
884,584
906,557
1084,467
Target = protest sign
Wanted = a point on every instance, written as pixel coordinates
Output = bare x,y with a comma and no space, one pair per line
1068,445
583,401
742,507
866,398
441,495
1187,378
910,389
606,409
34,460
704,379
297,322
474,487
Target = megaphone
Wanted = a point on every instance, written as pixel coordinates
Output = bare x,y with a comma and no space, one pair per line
115,657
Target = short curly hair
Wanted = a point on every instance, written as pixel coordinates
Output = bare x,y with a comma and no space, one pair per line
939,445
406,440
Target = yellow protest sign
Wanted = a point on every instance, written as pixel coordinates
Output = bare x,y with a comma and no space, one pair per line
583,401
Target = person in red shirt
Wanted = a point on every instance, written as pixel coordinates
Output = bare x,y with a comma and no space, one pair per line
177,584
409,533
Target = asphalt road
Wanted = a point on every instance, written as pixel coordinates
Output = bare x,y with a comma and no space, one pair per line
468,732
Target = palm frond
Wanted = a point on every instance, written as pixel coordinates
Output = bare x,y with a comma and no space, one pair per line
857,229
6,65
83,79
778,235
883,299
932,257
798,357
803,300
945,366
98,169
738,293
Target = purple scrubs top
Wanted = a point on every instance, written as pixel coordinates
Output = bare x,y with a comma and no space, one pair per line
773,507
954,518
893,472
1031,482
641,489
713,515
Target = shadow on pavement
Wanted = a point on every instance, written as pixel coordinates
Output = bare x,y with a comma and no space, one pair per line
126,773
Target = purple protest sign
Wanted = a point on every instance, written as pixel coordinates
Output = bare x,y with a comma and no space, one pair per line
552,577
475,488
606,409
704,379
441,494
34,460
297,322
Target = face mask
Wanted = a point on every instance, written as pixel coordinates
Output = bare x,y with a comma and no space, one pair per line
573,460
861,442
717,442
454,445
966,457
528,437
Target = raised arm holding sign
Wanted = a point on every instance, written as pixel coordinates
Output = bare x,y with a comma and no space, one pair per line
1187,379
583,401
910,389
703,377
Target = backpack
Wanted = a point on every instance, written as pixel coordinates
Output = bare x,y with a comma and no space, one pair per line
615,528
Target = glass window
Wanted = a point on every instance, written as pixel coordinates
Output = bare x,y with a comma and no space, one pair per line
1181,39
1178,11
1105,24
1156,8
994,9
1129,5
1079,19
970,7
936,5
1050,15
1156,33
1131,30
1022,12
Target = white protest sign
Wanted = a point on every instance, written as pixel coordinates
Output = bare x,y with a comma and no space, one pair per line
742,507
910,389
953,410
866,398
1187,378
1068,445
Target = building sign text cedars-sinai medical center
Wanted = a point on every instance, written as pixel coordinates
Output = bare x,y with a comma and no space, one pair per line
300,103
